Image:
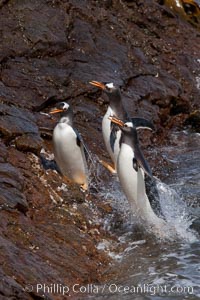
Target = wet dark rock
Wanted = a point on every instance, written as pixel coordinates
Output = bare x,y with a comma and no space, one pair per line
11,188
11,176
18,159
179,105
11,127
15,121
11,198
194,120
29,143
10,288
3,152
53,49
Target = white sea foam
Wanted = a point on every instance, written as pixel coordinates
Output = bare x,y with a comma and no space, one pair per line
107,246
176,212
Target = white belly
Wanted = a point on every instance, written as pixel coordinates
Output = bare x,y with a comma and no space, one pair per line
127,175
133,185
106,129
69,156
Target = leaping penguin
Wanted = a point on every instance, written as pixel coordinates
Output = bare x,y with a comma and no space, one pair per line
111,133
69,149
131,166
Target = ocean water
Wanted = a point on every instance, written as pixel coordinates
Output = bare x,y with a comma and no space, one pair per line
148,265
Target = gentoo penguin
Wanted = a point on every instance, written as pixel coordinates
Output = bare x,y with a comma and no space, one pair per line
131,166
111,133
69,149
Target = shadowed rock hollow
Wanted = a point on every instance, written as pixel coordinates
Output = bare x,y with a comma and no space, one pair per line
54,48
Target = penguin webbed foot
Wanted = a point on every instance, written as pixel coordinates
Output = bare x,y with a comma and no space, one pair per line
84,187
110,168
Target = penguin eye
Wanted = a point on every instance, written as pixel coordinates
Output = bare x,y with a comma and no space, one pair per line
125,125
108,89
65,106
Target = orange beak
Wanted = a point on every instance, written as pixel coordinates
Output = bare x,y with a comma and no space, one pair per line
55,111
116,121
98,84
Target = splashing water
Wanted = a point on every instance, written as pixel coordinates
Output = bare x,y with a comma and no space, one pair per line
175,211
146,260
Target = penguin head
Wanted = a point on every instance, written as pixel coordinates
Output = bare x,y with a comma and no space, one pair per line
127,128
110,90
65,112
124,126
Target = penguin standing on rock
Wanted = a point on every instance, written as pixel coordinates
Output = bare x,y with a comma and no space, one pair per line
69,149
111,133
131,166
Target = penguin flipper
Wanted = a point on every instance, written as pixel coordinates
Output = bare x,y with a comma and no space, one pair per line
80,142
142,123
142,162
113,136
135,164
87,152
153,196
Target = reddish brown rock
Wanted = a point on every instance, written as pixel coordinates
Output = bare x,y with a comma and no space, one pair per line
29,143
194,120
53,49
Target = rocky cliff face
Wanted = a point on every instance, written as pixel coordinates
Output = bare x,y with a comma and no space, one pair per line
54,48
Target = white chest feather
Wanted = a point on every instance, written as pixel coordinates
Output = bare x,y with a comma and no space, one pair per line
68,155
133,185
106,129
127,174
